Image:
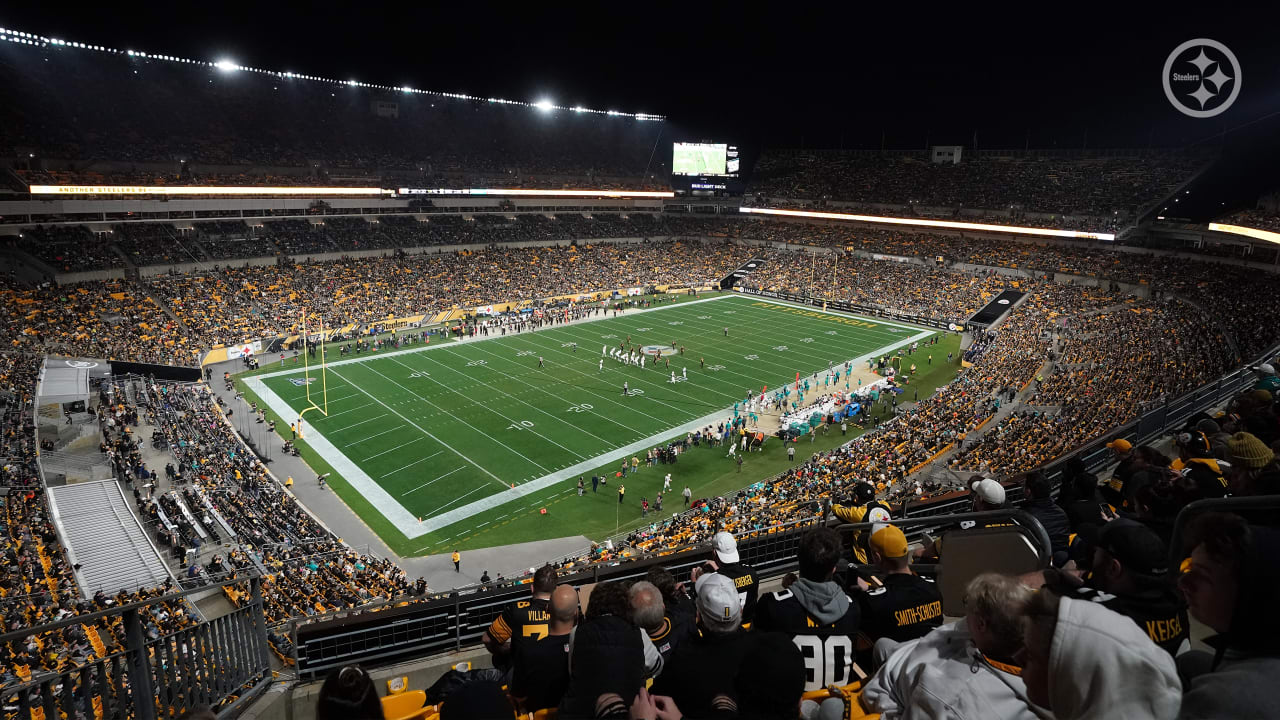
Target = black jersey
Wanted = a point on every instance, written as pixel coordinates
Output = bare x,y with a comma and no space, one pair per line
828,649
669,636
748,584
1160,615
540,670
521,619
905,607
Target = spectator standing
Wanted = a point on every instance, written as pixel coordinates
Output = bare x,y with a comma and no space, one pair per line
815,611
902,606
522,619
540,665
1039,502
648,611
707,664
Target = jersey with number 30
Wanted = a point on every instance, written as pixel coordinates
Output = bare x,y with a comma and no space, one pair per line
522,619
828,650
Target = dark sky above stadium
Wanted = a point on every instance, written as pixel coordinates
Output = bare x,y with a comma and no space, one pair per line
1052,75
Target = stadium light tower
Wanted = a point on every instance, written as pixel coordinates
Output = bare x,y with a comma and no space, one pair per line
226,65
544,105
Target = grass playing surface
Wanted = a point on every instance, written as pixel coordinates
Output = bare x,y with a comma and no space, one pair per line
442,432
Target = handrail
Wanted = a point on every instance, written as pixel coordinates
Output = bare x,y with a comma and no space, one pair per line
1023,518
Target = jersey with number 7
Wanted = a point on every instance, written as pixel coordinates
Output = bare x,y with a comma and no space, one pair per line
521,619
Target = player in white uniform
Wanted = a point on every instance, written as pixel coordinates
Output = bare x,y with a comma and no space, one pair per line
684,373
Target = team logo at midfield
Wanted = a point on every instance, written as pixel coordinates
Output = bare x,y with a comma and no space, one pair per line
660,350
302,381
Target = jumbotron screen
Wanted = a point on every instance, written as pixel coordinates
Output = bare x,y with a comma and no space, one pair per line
705,159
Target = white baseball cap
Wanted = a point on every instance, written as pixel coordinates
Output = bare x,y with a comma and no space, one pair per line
718,602
1266,369
726,548
991,492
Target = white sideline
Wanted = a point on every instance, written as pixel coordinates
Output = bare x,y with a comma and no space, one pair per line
405,522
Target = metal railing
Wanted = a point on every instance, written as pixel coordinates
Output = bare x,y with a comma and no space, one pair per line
221,663
450,623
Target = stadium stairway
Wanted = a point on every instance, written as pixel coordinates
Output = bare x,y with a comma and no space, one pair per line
101,534
155,297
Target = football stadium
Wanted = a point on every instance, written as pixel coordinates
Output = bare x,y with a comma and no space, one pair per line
448,392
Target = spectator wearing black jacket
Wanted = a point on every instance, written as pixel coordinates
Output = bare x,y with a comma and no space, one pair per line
1079,497
1039,502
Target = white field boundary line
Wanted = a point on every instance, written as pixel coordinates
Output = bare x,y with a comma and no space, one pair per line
585,321
408,524
394,512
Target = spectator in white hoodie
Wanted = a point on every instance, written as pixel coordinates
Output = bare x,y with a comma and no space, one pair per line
1085,662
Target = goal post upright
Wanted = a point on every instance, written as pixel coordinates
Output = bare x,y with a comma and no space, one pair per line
306,375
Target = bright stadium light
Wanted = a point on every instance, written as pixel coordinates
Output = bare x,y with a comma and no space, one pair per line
226,65
351,82
579,108
544,105
948,224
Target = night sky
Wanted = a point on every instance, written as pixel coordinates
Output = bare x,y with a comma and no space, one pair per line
1048,75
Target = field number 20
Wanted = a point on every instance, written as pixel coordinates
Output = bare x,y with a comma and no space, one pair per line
584,407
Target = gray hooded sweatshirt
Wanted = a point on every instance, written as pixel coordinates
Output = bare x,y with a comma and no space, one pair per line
826,602
1102,665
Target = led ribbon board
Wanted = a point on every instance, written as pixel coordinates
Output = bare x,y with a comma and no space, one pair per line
199,190
1267,235
539,193
951,225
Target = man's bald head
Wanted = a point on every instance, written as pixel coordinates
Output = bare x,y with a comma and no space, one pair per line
564,609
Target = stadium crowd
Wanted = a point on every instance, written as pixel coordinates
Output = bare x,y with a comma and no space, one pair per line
1097,187
1260,218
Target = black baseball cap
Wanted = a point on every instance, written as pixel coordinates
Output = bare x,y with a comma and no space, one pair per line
1138,548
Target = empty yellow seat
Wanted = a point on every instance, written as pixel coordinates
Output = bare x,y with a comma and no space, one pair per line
408,705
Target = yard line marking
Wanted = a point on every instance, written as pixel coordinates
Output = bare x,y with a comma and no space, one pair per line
397,447
547,392
384,432
495,412
431,481
464,422
369,420
423,430
331,416
473,492
415,462
608,398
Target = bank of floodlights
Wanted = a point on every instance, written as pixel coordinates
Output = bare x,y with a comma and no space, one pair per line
229,66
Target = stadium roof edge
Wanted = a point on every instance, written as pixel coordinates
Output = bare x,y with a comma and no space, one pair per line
225,65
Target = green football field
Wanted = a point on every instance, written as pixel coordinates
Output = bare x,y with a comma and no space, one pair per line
448,444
